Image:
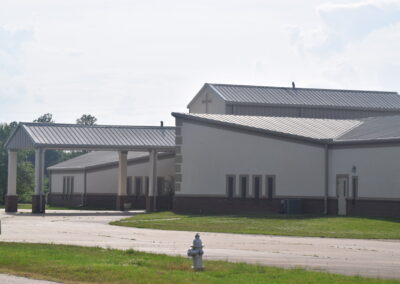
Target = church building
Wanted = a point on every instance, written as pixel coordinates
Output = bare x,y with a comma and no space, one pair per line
244,149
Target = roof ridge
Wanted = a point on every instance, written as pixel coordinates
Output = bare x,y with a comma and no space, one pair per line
272,116
291,88
95,126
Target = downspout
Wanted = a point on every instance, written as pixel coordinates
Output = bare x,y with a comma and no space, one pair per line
326,179
84,188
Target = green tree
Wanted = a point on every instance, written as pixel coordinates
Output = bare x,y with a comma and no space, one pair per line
87,119
47,117
25,180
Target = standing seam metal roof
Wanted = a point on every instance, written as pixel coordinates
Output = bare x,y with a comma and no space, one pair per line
373,129
353,99
52,135
318,129
97,159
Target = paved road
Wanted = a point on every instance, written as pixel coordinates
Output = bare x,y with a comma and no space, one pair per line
10,279
373,258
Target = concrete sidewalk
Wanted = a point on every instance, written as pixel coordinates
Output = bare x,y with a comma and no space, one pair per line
371,258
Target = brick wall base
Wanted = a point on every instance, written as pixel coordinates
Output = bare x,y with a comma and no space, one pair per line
220,205
108,201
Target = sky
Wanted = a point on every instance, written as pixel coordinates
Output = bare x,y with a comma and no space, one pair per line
134,62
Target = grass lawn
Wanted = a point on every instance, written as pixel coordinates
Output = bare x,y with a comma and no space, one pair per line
286,225
72,264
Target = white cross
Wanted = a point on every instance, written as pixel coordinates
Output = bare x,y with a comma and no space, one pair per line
206,101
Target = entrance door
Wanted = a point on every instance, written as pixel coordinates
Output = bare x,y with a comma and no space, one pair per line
342,186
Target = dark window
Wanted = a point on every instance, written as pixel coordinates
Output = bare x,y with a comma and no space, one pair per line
129,185
64,187
147,184
270,186
71,190
230,186
243,186
160,186
257,187
355,188
138,186
68,186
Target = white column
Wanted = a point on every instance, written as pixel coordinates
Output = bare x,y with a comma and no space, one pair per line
12,173
122,172
39,171
153,177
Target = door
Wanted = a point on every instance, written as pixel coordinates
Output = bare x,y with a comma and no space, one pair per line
342,187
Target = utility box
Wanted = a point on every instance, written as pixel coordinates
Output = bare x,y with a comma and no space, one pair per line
292,206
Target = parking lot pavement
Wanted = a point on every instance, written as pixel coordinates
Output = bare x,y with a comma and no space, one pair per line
11,279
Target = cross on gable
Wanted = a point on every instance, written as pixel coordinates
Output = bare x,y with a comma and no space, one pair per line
206,102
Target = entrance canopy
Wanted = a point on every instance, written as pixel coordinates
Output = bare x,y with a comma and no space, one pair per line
43,136
88,137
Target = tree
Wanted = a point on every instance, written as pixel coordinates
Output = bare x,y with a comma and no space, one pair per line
87,119
47,117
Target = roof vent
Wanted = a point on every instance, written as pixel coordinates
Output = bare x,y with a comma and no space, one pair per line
293,85
162,123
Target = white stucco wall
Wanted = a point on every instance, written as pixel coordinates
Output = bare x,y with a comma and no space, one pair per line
378,170
209,154
57,181
217,105
105,181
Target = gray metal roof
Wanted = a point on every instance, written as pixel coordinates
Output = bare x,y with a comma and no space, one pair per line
302,127
98,159
105,137
372,129
328,98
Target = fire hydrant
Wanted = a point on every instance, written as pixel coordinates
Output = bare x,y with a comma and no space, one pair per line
196,252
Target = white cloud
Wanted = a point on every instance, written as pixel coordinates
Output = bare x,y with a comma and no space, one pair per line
343,24
133,62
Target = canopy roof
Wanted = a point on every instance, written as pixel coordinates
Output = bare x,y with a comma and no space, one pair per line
96,137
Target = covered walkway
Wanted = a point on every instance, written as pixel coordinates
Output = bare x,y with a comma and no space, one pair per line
43,136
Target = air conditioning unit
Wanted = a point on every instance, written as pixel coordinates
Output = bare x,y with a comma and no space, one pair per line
292,206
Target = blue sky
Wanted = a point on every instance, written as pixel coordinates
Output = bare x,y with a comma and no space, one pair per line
134,62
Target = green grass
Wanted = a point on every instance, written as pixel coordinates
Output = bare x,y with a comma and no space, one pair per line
285,225
72,264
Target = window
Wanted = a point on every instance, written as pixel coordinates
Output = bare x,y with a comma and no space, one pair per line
129,186
64,192
257,186
147,184
270,186
160,186
244,184
68,186
71,186
138,186
354,188
230,185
